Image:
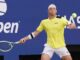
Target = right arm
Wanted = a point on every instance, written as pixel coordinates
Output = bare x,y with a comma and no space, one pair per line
33,34
24,39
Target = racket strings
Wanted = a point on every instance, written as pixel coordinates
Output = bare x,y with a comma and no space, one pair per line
4,46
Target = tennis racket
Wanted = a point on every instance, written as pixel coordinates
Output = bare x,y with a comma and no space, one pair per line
6,46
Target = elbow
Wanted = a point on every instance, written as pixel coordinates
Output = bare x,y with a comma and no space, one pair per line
36,33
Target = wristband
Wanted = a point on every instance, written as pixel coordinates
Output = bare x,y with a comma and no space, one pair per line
31,36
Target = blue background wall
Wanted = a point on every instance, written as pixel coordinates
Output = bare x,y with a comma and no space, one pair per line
29,13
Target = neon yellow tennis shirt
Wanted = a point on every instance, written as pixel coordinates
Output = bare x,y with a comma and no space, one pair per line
55,31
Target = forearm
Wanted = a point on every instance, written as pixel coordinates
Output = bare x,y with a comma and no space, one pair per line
30,36
26,38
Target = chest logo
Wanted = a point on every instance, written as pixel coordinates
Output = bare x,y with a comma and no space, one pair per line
56,23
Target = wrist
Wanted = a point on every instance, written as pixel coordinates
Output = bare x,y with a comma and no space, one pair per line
31,36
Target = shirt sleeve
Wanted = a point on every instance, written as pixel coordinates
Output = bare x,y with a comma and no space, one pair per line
40,27
65,21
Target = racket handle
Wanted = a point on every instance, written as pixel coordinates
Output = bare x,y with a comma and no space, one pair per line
17,42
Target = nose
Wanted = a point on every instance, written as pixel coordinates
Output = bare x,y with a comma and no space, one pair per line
3,7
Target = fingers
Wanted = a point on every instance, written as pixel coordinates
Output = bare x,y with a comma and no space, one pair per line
22,41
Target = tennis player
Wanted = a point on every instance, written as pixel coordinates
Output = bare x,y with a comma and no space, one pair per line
54,27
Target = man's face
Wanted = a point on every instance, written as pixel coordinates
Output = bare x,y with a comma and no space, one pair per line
52,11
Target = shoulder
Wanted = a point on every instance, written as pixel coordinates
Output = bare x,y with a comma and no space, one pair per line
61,18
64,19
44,20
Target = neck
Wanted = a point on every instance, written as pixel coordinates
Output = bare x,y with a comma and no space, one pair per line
51,17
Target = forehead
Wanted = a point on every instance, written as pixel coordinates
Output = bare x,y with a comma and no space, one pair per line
52,9
52,6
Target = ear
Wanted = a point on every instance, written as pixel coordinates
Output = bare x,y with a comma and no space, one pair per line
56,10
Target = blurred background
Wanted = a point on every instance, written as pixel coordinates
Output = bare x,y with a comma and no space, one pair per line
28,14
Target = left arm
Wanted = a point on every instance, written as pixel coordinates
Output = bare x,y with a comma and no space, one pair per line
68,23
71,25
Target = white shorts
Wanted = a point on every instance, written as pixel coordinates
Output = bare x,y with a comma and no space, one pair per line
59,51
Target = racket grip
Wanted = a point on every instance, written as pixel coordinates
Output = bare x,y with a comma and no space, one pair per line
17,42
